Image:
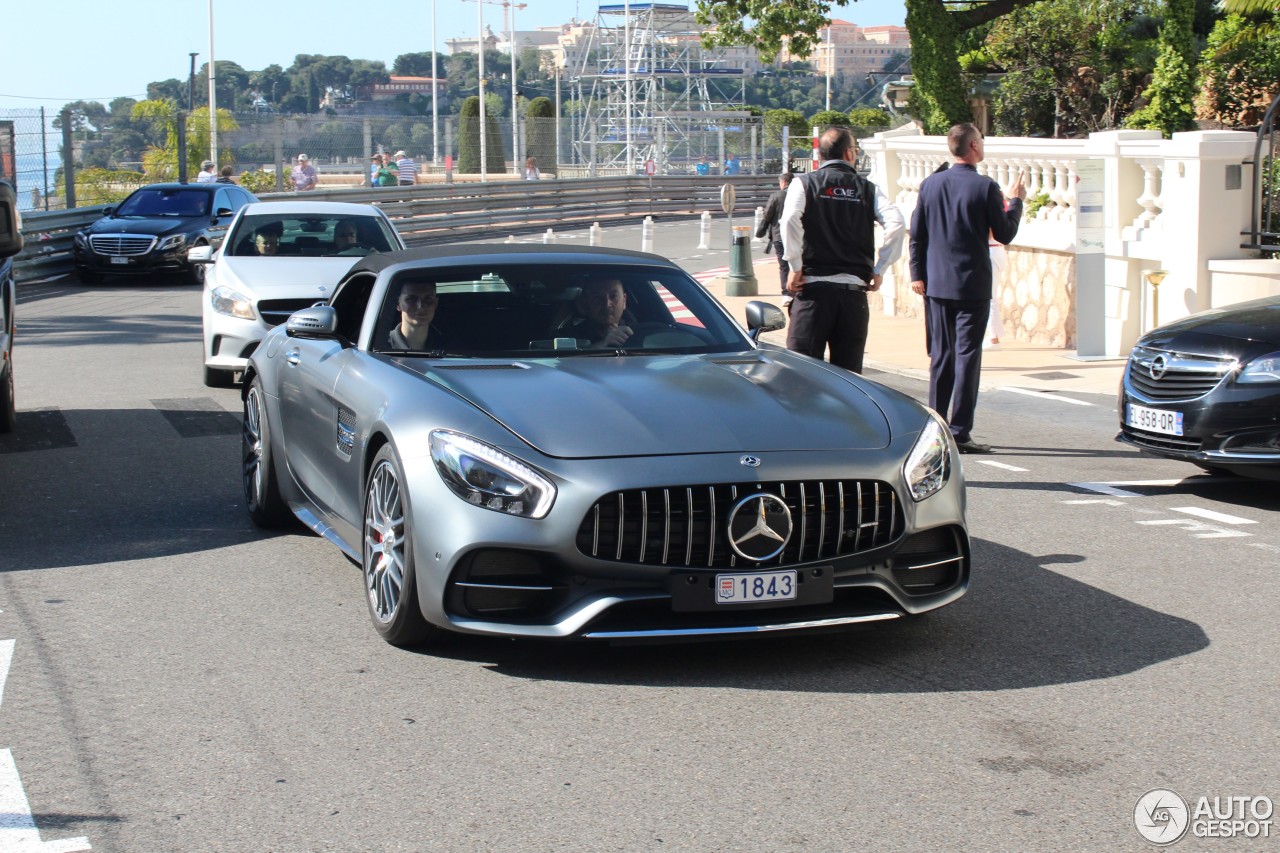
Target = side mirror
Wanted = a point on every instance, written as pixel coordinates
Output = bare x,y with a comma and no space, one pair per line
200,254
320,321
107,211
10,222
223,211
764,317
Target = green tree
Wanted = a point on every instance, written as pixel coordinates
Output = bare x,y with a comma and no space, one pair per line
1170,96
829,118
160,162
469,140
1239,75
775,120
541,133
418,64
869,117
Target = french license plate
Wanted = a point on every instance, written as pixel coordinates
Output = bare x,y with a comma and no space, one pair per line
757,586
1155,420
116,259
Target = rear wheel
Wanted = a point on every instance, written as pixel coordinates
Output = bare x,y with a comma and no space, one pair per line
8,414
261,489
387,556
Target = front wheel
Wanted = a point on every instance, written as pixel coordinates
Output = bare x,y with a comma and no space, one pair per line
261,489
387,556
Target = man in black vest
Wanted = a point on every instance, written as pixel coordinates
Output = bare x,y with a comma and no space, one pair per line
955,214
828,238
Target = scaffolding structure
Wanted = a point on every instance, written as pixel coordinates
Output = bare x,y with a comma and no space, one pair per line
651,90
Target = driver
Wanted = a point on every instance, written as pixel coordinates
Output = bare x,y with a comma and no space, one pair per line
266,239
602,314
417,306
346,239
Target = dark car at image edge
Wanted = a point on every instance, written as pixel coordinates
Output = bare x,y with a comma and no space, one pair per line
150,232
1206,390
10,244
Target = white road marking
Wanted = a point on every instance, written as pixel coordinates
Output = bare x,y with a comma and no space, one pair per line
1147,482
1103,501
1000,465
1044,395
1105,489
1213,516
18,832
1200,531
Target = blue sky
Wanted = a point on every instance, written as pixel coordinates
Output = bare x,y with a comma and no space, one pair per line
104,49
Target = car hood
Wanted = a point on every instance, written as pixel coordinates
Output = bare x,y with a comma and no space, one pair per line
159,227
593,407
281,277
1256,322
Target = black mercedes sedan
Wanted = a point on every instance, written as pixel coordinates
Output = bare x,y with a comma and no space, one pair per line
150,232
1206,390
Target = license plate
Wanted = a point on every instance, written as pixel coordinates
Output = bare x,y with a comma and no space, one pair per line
1155,420
757,586
116,259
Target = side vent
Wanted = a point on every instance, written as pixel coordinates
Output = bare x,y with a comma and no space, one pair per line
346,431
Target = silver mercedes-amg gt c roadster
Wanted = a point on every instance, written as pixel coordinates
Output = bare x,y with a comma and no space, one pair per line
540,441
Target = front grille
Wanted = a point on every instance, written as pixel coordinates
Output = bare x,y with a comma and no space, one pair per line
122,244
687,526
276,311
929,561
1180,376
1161,442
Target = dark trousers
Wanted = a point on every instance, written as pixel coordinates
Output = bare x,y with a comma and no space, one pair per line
784,268
823,316
956,330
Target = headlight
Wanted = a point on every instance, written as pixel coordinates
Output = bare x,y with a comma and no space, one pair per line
82,239
1264,369
483,475
929,462
226,301
172,242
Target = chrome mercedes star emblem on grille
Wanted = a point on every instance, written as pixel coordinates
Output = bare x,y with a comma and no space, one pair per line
750,461
1158,366
759,527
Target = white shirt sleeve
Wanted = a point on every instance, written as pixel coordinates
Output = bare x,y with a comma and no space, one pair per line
895,231
791,227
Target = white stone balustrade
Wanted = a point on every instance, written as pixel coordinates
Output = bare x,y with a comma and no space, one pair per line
1177,204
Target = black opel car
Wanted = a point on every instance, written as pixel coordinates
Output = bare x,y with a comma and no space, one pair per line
1206,390
151,230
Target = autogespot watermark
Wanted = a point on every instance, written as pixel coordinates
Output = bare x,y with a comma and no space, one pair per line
1163,817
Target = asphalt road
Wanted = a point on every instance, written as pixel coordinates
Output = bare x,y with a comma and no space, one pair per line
179,681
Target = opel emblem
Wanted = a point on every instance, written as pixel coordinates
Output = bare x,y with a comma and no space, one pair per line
750,461
759,527
1158,366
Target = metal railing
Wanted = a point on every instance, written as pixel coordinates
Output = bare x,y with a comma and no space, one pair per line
1264,225
432,214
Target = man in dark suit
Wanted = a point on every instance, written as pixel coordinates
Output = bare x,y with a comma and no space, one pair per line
956,211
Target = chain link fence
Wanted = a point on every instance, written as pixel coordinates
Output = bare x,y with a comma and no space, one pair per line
64,160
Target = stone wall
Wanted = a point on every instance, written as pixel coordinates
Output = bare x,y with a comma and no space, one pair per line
1036,293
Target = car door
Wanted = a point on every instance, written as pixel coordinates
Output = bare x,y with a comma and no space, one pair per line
225,198
317,451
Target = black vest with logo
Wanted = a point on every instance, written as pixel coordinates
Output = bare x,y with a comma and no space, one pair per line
839,222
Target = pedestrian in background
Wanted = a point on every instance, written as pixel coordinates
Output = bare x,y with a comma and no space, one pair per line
384,172
732,165
828,236
207,174
769,223
406,169
531,172
225,176
956,213
304,175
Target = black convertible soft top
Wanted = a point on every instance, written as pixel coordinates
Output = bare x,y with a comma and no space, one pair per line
506,252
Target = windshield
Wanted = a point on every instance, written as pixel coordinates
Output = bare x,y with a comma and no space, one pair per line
170,202
537,310
310,236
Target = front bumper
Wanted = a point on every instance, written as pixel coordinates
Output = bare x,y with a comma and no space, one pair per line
152,263
1233,426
